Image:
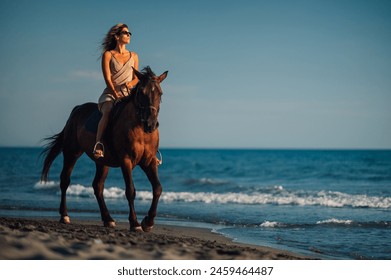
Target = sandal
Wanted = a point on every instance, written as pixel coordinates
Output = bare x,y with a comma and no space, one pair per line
97,152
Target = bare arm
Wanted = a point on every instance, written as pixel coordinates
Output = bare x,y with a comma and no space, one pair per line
134,81
107,73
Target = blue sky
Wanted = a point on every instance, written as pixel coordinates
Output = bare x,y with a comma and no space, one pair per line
242,74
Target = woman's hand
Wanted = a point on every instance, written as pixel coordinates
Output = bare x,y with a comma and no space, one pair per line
117,95
129,85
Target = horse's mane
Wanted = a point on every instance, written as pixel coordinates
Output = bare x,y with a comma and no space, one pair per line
119,106
147,73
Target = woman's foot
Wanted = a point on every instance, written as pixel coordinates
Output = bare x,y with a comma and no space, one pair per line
99,150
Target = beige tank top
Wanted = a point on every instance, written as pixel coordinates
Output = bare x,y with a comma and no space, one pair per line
120,75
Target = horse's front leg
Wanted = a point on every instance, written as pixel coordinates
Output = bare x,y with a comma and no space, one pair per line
98,185
130,192
152,173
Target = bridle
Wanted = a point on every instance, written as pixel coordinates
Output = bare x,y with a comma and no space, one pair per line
142,110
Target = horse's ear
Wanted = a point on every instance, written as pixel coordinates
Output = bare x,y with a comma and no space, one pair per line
162,77
138,74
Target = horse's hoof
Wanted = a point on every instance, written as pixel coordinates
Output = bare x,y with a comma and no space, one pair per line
110,224
65,220
144,225
136,229
147,229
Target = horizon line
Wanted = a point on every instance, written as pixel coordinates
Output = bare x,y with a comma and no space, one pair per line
234,148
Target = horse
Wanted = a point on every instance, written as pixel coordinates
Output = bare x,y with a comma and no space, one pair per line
131,139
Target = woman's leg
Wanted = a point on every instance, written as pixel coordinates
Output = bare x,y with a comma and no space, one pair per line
105,109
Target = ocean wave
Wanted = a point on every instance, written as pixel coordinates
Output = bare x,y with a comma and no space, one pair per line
328,199
206,181
46,185
332,222
268,224
335,221
279,197
79,190
351,223
278,188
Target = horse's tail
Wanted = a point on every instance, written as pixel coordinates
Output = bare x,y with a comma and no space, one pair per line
54,147
51,150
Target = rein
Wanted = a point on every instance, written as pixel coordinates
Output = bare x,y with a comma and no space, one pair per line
140,110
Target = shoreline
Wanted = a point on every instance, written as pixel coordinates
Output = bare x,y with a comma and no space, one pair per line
46,238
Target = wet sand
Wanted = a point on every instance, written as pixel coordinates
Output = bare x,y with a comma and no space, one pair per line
34,238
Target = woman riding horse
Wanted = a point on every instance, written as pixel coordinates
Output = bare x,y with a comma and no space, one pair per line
133,139
117,67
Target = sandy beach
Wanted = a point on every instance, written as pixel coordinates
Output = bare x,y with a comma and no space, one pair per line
22,238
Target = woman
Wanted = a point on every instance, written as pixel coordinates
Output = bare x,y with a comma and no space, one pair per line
117,63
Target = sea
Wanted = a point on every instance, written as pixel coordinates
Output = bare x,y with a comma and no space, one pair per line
327,204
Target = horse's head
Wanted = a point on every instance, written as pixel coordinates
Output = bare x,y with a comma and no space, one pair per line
148,96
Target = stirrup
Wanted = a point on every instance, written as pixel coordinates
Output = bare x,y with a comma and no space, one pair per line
100,154
159,161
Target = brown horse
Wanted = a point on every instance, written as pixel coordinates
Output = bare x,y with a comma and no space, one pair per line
132,139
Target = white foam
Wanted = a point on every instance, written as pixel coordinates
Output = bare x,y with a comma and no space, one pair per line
210,181
281,197
46,185
80,190
268,224
335,221
323,198
288,198
278,188
114,192
207,181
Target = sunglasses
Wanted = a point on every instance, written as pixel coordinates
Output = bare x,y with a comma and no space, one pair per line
126,33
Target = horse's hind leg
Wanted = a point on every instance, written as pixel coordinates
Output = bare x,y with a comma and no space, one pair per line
98,184
65,180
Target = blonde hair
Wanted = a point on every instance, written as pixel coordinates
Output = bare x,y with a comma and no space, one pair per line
109,42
